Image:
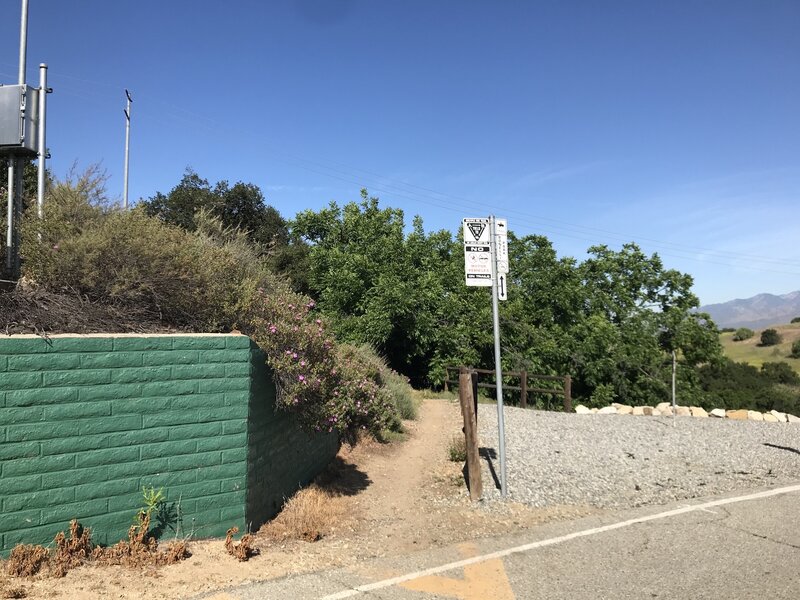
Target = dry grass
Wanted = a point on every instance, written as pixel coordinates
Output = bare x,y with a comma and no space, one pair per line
309,515
12,591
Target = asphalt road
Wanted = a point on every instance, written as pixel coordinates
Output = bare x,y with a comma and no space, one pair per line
733,547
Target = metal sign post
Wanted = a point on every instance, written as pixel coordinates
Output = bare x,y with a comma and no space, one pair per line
127,112
486,265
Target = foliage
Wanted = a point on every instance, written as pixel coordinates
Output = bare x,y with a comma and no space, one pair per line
795,350
377,286
770,337
743,333
795,320
241,207
733,385
330,389
780,372
727,330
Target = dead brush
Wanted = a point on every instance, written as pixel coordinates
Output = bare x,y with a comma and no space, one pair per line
241,550
308,515
73,552
141,548
26,560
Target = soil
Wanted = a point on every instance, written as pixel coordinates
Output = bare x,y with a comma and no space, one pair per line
400,497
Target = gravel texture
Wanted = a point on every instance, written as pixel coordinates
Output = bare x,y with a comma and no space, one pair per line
619,461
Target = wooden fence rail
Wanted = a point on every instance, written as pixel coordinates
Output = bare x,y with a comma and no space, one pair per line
523,388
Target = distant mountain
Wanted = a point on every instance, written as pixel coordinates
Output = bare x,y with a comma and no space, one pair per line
757,312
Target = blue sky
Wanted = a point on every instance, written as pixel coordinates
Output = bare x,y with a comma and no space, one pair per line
672,124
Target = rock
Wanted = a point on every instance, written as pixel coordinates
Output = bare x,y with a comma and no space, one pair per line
792,418
754,415
778,415
698,412
594,411
683,411
649,411
738,415
654,412
638,411
607,410
666,411
769,418
582,410
662,405
624,409
718,412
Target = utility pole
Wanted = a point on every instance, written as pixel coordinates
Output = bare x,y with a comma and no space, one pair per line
15,166
127,112
43,91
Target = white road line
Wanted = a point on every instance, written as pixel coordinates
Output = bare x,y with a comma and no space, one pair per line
557,540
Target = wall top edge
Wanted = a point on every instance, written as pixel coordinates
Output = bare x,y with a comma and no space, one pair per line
23,336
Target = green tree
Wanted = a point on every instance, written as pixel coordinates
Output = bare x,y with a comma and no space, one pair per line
795,350
780,372
241,206
743,333
378,286
770,337
647,312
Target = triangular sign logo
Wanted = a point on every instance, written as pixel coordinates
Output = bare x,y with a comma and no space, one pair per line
476,229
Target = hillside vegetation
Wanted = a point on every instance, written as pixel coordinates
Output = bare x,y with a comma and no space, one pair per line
751,351
325,292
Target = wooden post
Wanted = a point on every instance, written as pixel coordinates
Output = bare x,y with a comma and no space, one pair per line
474,376
567,394
471,434
523,393
446,377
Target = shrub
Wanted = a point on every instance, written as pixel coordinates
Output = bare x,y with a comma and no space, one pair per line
795,350
328,389
770,337
457,449
727,330
780,372
743,333
795,320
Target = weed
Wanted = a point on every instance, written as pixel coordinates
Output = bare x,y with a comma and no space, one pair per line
241,550
457,449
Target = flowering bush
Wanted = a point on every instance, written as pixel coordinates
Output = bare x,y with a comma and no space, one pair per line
329,389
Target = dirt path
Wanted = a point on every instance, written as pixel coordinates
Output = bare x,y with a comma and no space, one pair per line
395,498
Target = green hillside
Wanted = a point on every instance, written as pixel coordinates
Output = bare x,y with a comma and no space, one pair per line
750,352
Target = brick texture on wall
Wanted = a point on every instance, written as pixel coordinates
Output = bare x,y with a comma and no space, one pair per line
86,422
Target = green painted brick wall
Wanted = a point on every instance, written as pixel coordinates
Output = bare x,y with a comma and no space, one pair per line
86,422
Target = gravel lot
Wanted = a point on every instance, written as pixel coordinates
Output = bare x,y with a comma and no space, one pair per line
618,461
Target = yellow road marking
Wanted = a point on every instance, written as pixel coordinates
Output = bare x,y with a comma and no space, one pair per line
481,581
